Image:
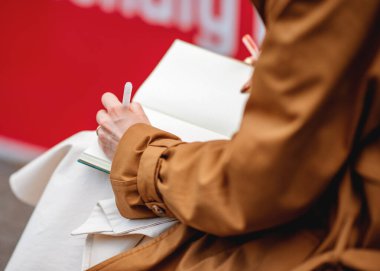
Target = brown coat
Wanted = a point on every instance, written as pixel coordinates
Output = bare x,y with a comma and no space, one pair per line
298,187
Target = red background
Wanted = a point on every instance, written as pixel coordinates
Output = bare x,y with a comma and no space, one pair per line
57,59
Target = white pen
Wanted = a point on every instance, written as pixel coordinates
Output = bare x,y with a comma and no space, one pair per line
127,93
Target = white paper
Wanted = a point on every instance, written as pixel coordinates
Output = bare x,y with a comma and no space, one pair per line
106,219
198,87
186,131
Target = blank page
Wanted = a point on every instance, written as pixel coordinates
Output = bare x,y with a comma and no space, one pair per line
199,87
186,131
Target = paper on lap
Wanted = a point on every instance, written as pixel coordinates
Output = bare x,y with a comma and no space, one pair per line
105,219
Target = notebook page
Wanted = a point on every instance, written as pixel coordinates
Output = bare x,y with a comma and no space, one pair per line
198,87
184,130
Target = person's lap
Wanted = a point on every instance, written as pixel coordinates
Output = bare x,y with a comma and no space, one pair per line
68,198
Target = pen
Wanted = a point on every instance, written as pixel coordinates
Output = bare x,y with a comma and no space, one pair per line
251,46
254,51
127,94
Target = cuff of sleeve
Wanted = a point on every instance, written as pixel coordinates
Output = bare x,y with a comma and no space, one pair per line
135,170
148,174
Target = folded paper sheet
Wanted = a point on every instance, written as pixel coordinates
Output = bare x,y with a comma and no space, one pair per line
108,233
106,219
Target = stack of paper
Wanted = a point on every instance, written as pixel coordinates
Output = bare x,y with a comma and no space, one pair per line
105,219
108,233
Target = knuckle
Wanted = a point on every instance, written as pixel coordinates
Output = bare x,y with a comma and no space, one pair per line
113,110
116,110
102,137
101,132
102,122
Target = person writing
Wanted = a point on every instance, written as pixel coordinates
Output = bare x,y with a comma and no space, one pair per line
297,187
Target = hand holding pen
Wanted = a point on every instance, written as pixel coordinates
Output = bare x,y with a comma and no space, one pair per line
116,118
251,60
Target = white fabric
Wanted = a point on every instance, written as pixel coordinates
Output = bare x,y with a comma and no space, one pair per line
65,193
106,219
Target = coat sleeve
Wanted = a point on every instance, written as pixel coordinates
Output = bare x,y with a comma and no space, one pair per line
297,130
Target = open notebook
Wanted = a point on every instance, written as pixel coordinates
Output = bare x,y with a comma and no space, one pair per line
192,93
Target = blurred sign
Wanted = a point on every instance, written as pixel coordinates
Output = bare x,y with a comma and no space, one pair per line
58,56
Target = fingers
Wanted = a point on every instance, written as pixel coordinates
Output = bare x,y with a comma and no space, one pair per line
108,126
250,60
102,117
137,109
104,121
109,100
108,145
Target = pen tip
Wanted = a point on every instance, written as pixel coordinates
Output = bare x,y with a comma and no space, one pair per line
128,85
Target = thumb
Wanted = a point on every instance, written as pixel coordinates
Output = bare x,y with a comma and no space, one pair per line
136,108
250,60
